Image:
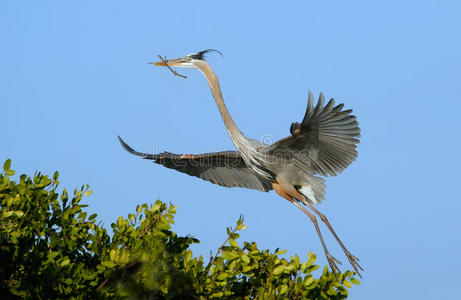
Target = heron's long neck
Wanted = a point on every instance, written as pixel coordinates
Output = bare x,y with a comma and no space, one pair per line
247,149
213,82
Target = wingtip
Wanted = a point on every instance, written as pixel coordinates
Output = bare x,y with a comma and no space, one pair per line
125,146
132,151
310,106
310,97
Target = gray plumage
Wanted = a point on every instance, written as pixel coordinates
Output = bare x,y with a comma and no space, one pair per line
225,168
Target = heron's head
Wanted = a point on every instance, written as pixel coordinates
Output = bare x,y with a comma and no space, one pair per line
188,61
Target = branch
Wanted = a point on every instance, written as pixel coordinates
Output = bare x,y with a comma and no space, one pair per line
212,259
230,235
102,284
172,71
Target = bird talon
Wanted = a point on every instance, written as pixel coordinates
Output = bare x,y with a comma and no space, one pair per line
332,258
333,264
352,256
354,262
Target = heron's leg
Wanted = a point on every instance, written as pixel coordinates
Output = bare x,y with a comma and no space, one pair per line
331,260
352,259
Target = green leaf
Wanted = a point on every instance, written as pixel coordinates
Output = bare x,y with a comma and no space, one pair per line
9,172
87,193
17,199
347,283
246,269
52,255
312,268
112,254
331,291
229,255
233,243
279,269
310,259
355,281
7,213
156,206
283,289
188,256
303,267
309,280
108,264
65,262
291,267
7,165
245,258
280,252
217,294
120,221
222,276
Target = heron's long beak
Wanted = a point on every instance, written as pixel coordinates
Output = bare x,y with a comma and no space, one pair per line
170,62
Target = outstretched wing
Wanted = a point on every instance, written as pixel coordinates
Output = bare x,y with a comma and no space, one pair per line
325,140
225,168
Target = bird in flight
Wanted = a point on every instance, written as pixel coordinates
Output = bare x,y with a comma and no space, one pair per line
323,143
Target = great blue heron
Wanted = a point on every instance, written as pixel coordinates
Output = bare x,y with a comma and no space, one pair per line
323,143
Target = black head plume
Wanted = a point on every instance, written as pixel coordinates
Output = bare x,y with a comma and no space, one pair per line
201,54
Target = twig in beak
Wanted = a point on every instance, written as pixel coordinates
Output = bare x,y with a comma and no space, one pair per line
172,71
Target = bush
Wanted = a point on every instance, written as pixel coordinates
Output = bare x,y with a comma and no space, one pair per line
51,248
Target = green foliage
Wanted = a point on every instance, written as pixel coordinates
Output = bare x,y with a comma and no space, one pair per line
51,248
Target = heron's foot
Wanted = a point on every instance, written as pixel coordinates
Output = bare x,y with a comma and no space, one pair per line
354,261
333,263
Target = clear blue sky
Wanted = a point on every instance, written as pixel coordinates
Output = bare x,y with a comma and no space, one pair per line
74,75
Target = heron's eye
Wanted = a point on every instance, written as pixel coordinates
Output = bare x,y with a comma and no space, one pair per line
188,59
